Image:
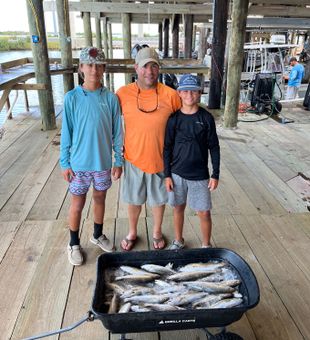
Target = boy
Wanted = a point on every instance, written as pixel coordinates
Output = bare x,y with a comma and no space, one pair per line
91,128
190,136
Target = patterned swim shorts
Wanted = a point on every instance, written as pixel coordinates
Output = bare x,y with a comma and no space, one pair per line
83,179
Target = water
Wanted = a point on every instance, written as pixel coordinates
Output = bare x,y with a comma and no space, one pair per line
57,84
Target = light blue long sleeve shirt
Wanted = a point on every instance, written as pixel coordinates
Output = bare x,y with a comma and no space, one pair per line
91,128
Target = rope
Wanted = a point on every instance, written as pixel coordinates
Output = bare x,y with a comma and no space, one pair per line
88,317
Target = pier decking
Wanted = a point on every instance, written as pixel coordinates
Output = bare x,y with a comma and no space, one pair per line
260,211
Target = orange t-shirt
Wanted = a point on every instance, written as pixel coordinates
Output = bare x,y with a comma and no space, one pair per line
145,132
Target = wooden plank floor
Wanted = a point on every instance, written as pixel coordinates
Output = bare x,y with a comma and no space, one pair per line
260,210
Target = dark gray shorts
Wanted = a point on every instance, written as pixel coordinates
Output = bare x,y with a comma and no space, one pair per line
195,193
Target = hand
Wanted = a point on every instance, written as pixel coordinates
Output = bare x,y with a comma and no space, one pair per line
213,183
116,172
169,184
68,174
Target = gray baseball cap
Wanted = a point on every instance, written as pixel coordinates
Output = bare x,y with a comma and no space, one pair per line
147,55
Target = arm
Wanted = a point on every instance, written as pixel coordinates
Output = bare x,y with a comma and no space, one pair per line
214,148
117,142
66,140
169,145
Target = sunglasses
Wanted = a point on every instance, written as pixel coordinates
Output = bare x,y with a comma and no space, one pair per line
143,110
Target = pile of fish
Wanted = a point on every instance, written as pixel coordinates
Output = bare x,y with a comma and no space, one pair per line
161,288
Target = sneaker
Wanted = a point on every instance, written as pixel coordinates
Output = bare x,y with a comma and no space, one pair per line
175,245
103,242
208,246
75,255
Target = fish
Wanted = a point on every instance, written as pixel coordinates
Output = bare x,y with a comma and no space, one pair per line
125,308
138,290
209,300
148,298
114,304
184,276
163,307
185,299
138,277
139,309
228,303
115,287
133,270
161,270
209,287
200,266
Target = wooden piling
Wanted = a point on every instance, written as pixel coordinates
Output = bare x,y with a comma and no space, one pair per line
98,31
175,35
65,42
106,48
188,34
235,62
41,62
126,25
166,38
160,36
110,41
87,28
220,14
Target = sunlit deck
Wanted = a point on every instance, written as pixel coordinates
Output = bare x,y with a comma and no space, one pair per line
260,211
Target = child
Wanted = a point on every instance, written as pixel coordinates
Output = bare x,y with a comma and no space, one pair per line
190,136
91,128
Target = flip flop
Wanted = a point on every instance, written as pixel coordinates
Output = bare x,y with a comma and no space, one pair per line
129,243
156,242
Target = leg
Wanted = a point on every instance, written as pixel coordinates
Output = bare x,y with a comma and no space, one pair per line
158,214
133,216
75,255
75,211
178,219
99,205
205,226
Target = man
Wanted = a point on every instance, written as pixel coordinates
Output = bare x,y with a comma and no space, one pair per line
294,79
146,106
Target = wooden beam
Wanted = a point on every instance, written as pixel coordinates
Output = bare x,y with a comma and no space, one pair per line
280,11
111,7
30,87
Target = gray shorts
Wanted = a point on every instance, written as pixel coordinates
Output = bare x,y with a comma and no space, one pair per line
196,193
139,187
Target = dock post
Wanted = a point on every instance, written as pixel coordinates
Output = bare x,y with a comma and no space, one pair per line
175,35
87,28
160,36
98,31
110,41
235,62
126,41
65,42
188,34
106,49
41,62
166,38
220,14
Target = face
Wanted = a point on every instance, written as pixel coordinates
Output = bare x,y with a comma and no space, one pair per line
92,72
190,97
147,75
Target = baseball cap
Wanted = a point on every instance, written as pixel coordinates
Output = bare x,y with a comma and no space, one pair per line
146,55
188,82
92,55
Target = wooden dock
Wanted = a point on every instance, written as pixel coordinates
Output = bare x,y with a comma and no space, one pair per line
260,211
